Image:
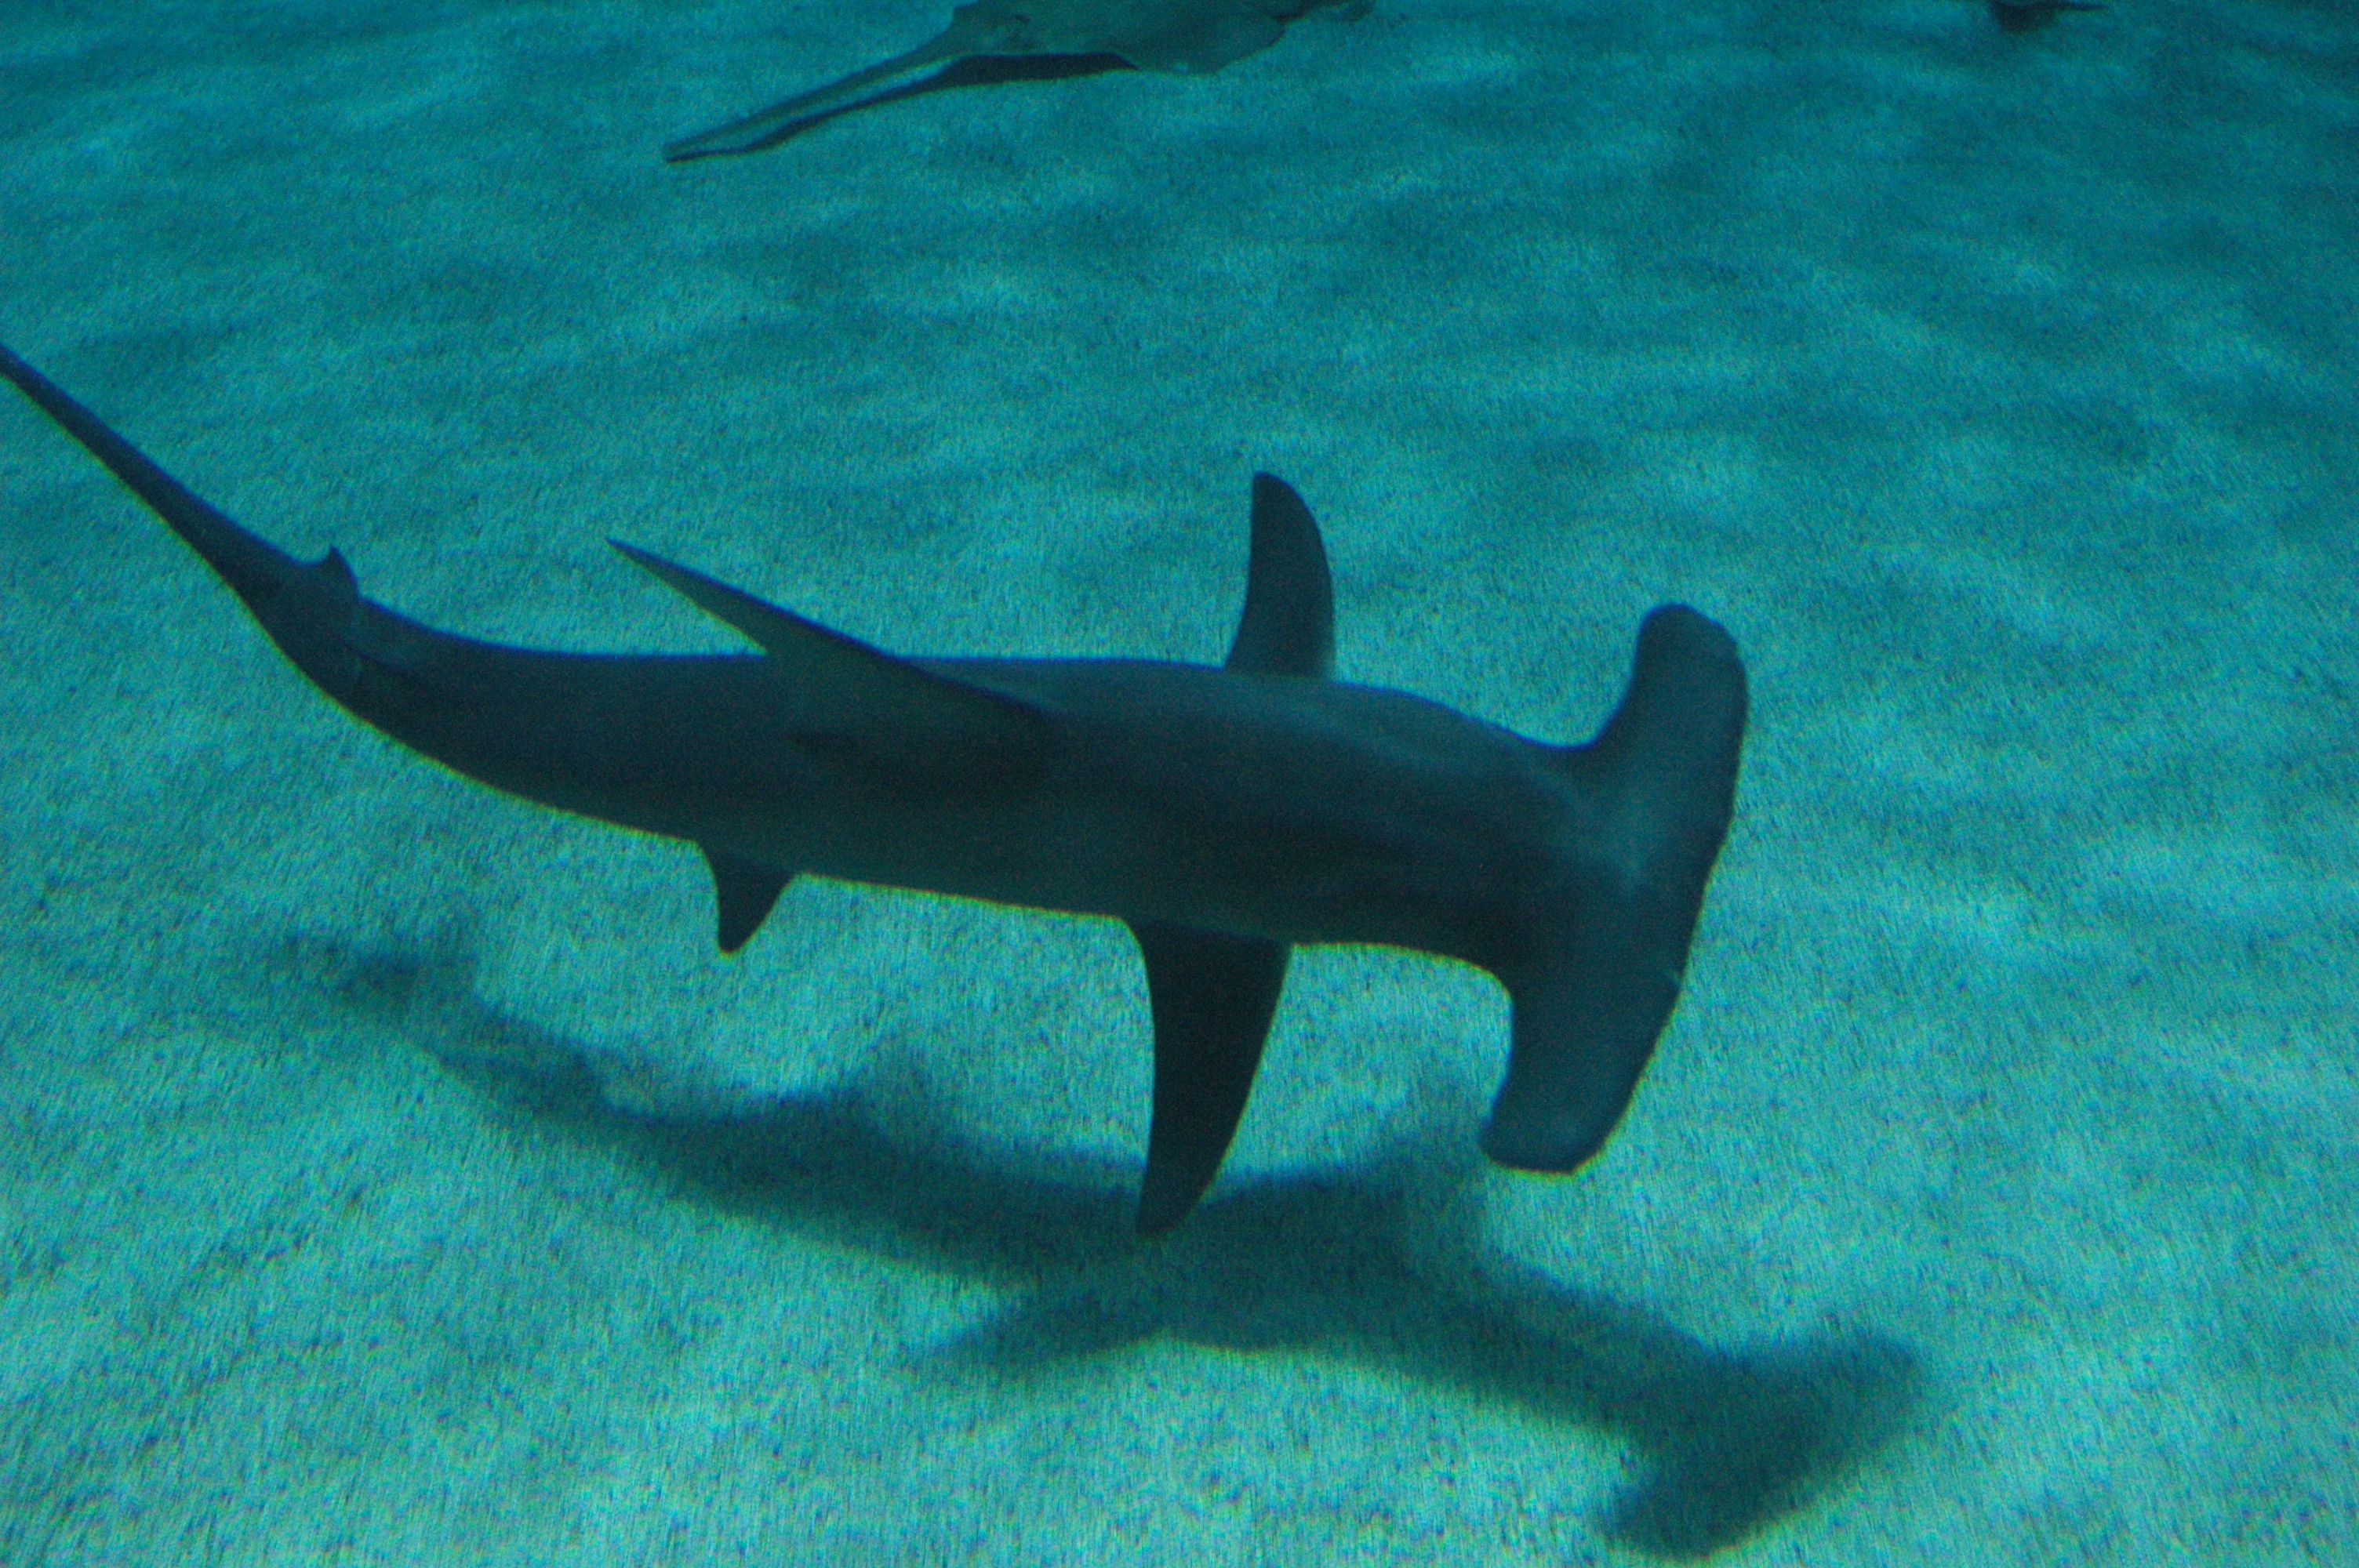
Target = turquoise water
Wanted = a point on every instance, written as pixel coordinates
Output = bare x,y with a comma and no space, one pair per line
392,1172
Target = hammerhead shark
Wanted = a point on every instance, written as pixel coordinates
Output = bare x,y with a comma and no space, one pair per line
1226,814
1000,40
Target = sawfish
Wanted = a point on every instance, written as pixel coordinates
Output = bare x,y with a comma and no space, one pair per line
1008,40
2031,15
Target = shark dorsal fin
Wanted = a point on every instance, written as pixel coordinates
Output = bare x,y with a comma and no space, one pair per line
848,696
1288,625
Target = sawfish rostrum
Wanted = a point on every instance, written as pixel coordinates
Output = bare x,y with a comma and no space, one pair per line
1008,40
1226,814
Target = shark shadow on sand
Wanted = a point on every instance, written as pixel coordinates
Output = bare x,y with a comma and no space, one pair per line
990,42
1371,1265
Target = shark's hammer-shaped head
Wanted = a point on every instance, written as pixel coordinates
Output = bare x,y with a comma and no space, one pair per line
1648,807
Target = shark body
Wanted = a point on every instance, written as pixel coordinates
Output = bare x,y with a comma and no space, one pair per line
1226,813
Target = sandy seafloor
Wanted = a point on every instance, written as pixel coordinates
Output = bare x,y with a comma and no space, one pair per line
391,1172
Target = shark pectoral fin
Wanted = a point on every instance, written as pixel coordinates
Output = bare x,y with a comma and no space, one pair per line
1289,625
846,696
1212,997
745,893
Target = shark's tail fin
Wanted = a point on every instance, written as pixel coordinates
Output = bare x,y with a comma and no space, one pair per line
310,609
254,567
1652,797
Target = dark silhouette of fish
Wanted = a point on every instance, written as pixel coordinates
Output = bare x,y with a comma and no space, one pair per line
1225,814
1003,40
2029,15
